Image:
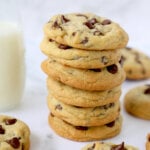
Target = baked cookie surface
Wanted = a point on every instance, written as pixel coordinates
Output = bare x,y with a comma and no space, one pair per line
136,64
78,58
137,101
86,79
14,134
79,116
148,142
83,133
82,98
108,146
86,31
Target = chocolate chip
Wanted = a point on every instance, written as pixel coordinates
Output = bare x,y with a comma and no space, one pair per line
64,19
149,138
50,40
81,128
147,91
62,46
90,23
51,114
118,147
104,60
106,22
2,131
82,15
85,40
97,33
122,59
112,69
10,121
14,142
111,124
56,25
96,70
92,147
58,106
73,33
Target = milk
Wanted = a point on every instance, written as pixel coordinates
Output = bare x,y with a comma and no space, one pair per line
12,67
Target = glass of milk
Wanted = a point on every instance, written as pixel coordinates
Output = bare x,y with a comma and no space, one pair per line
12,63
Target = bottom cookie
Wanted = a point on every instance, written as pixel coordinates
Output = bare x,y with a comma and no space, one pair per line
82,133
108,146
148,142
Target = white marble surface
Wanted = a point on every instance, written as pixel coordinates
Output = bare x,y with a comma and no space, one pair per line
133,16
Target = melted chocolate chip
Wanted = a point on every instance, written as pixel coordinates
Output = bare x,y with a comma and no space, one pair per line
118,147
96,70
62,46
14,142
147,91
56,25
85,40
81,128
149,138
90,23
97,33
91,148
58,106
82,15
64,19
112,69
73,33
2,131
104,60
10,121
111,124
106,22
51,114
50,40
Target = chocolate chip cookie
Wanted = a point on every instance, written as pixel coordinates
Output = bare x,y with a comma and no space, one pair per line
82,98
84,133
148,142
79,116
137,101
14,134
78,58
86,79
108,146
86,31
136,64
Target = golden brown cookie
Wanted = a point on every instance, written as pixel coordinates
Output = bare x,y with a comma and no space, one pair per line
136,64
79,116
78,58
14,134
86,79
137,101
108,146
83,133
82,98
86,31
148,142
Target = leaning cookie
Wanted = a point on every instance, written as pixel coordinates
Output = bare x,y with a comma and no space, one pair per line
86,31
148,142
108,146
79,116
136,64
82,98
78,58
85,79
137,102
83,133
14,134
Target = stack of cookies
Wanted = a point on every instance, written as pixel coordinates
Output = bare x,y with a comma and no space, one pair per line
84,75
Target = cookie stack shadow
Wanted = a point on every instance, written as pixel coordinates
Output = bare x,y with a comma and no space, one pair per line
84,83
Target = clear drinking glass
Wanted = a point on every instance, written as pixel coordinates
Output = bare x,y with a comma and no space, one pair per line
12,63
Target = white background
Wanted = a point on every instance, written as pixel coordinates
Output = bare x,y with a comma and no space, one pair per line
132,15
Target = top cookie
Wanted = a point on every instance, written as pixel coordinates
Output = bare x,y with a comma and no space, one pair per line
86,31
